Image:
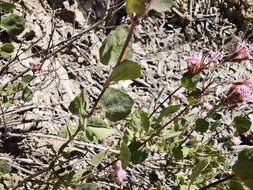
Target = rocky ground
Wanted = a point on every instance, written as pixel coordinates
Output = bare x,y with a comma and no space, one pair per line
66,35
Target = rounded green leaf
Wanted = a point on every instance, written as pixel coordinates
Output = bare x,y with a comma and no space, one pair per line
13,24
110,50
7,47
201,125
242,124
116,104
135,6
243,167
127,70
7,7
4,167
6,50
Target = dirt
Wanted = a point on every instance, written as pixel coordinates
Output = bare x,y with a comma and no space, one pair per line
162,43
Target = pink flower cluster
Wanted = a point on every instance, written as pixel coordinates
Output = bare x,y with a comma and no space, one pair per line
119,174
240,92
216,56
242,51
35,64
195,64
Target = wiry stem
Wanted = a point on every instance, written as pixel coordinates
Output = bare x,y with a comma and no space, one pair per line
122,53
218,182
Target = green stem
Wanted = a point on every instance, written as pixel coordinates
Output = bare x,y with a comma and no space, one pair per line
164,126
165,100
122,53
227,178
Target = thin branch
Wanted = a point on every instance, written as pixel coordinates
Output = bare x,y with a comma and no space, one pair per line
122,53
227,178
164,126
165,100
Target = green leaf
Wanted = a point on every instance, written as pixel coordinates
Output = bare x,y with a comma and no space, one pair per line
98,158
161,5
7,7
100,133
135,6
94,121
7,47
6,50
189,82
27,78
116,104
97,128
125,155
138,154
198,169
166,112
4,167
110,50
78,105
177,153
234,185
243,167
127,70
27,94
87,186
201,125
242,124
13,24
67,131
140,120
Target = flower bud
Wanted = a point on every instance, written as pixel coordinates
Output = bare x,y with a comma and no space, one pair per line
235,141
119,174
195,64
35,64
242,51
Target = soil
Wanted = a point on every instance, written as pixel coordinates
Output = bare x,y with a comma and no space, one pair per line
162,42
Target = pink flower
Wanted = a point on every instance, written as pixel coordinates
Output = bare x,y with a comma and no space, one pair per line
239,94
119,173
195,64
235,141
207,106
242,51
216,56
180,96
248,82
35,64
